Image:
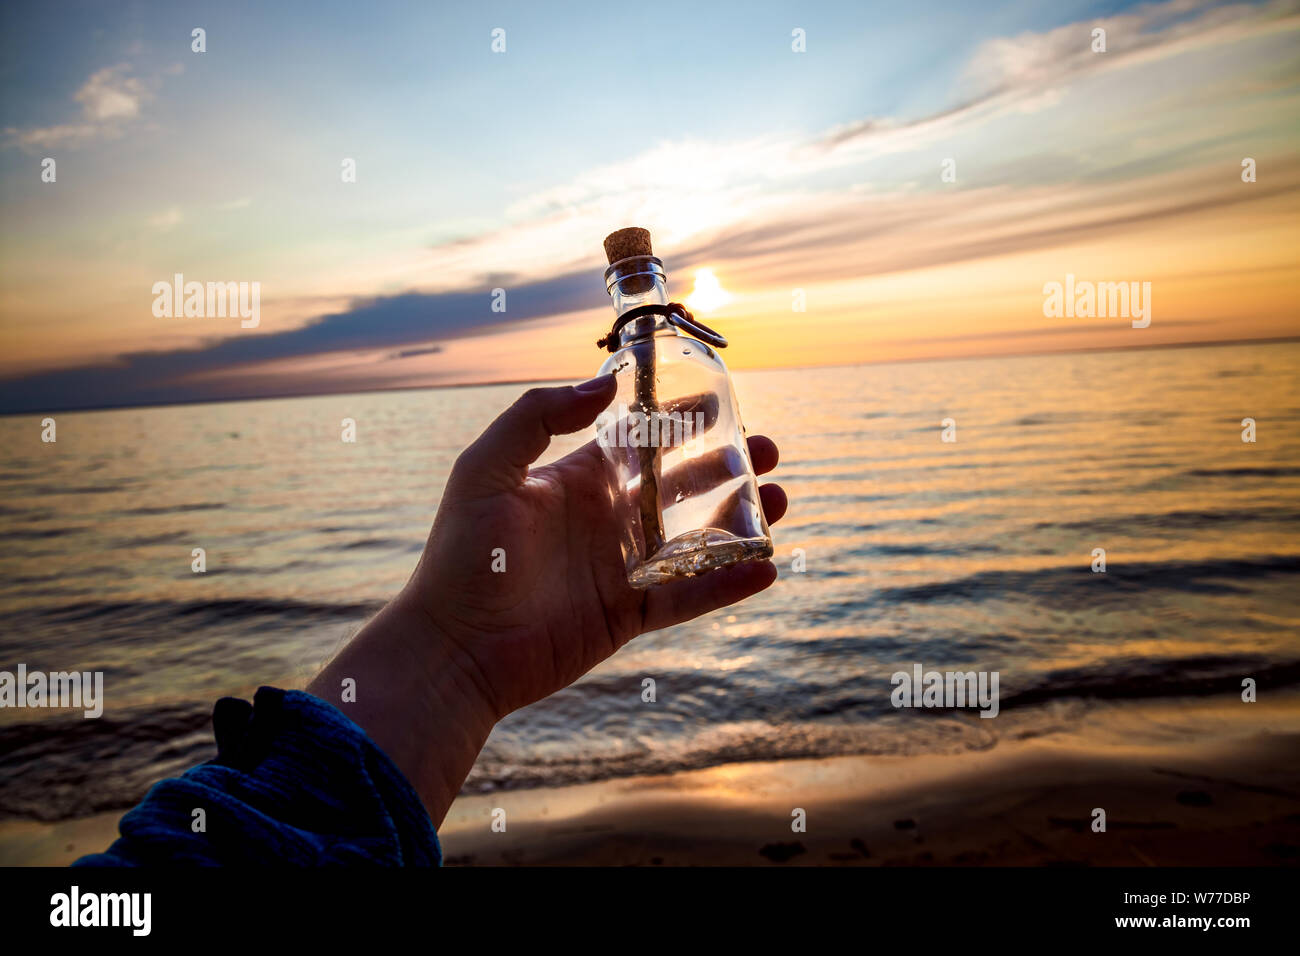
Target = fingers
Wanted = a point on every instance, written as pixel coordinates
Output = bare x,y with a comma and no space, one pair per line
700,410
500,457
683,600
774,502
704,472
734,514
680,601
763,453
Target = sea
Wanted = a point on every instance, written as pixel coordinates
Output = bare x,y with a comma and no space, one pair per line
900,548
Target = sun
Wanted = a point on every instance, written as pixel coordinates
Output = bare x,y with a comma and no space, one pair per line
708,294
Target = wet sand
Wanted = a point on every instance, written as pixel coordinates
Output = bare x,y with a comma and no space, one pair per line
1027,804
1182,783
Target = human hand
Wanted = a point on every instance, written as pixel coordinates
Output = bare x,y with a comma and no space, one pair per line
462,646
563,603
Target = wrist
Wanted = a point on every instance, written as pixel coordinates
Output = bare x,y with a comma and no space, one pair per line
448,663
415,696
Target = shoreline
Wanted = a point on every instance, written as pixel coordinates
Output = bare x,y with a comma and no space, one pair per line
1025,804
1186,783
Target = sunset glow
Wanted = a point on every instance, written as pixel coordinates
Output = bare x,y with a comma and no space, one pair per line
708,294
903,212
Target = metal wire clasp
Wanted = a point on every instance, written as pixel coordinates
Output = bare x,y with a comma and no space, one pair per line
676,313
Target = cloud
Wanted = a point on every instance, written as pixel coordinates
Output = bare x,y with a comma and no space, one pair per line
378,323
1031,62
109,99
410,353
1047,331
1027,72
111,94
830,241
766,207
686,191
860,236
76,134
168,220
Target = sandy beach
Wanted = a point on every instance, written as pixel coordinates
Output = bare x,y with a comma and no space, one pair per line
1231,801
1228,797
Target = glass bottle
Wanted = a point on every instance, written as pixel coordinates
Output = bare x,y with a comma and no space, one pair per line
683,483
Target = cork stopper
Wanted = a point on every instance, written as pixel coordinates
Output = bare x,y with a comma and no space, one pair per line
632,241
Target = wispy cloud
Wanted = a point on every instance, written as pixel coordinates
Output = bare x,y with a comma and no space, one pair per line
110,99
111,95
687,191
167,220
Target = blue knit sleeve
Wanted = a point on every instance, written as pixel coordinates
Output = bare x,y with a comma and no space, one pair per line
294,782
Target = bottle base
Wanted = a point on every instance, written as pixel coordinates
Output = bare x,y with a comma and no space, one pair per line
695,553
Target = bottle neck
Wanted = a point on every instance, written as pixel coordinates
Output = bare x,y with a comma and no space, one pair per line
634,282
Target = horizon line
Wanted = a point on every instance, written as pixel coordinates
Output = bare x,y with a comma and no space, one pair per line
1216,343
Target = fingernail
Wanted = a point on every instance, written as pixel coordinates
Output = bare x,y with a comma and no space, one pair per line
597,384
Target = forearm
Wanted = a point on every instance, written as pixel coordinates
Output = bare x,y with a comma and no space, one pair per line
415,697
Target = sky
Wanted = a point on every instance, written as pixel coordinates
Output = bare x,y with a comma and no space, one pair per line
864,182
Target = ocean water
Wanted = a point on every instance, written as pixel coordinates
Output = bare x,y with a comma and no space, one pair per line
971,555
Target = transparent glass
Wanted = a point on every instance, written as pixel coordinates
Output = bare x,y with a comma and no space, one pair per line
683,483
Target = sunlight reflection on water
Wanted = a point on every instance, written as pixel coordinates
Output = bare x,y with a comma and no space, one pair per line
974,554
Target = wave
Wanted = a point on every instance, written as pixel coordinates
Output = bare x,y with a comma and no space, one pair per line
382,544
1244,472
1186,520
164,614
174,509
39,534
1077,585
832,725
62,767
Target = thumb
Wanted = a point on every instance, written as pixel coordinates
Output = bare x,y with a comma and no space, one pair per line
499,458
